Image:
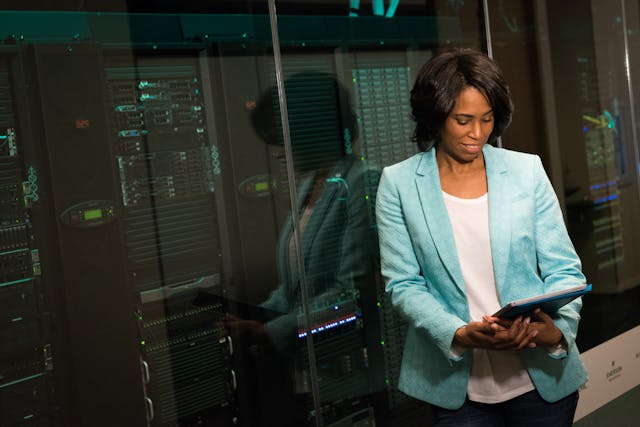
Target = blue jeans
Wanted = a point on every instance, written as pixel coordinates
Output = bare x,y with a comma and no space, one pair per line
527,410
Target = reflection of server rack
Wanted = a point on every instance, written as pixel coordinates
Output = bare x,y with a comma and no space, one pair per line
341,352
26,359
166,169
169,182
603,189
342,361
605,165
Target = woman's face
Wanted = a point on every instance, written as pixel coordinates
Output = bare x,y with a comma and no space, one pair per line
468,126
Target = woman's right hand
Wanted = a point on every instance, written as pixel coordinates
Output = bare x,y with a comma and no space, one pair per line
493,336
253,330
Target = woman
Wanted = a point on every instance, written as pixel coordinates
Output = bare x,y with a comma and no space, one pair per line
465,227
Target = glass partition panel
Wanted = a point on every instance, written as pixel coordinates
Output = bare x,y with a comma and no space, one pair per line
346,71
186,229
140,215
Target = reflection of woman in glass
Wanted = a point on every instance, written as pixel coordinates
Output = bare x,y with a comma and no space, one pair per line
332,215
332,222
463,228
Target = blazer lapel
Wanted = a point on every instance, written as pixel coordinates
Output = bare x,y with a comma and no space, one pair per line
334,189
288,272
435,213
499,214
320,210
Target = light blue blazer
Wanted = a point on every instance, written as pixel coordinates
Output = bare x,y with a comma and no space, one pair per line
532,254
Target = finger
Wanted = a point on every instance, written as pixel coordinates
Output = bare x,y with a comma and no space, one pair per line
517,337
504,322
504,338
521,338
542,316
483,327
515,327
498,328
519,341
507,339
529,340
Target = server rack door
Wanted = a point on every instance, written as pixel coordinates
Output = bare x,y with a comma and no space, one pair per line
107,386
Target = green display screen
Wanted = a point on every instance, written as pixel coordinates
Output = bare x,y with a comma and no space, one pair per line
92,214
262,186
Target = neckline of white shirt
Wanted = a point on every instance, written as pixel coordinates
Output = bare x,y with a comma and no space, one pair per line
476,200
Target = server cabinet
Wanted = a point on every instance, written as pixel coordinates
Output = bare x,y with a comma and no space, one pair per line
101,326
28,364
170,178
136,194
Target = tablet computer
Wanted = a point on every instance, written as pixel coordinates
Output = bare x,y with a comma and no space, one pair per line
549,303
241,309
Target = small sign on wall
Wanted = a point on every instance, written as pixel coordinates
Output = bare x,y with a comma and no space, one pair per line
614,368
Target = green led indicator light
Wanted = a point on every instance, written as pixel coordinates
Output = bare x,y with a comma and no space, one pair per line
142,342
366,197
362,158
262,186
379,304
381,342
386,380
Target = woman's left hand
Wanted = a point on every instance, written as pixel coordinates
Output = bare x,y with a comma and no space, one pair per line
548,333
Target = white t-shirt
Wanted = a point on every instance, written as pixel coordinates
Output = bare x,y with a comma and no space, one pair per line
496,376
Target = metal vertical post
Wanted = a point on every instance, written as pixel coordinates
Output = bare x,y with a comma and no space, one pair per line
632,104
487,36
304,291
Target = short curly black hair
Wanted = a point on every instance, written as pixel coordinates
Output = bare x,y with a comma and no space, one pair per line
440,81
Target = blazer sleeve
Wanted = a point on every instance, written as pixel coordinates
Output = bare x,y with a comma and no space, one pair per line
558,261
402,274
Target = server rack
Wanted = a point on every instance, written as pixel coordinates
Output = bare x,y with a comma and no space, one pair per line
30,359
171,190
